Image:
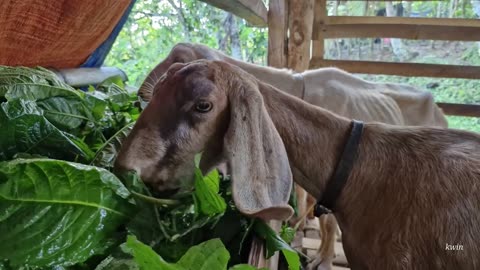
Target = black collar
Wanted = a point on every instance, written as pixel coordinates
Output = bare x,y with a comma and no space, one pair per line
334,187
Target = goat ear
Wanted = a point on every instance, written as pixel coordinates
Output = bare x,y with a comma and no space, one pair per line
261,175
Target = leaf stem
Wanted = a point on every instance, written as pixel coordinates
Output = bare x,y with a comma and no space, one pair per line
154,200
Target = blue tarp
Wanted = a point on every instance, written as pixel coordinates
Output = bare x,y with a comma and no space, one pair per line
97,58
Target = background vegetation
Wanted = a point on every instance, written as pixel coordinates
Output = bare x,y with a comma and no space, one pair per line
154,27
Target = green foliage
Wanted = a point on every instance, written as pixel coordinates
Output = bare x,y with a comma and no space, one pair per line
209,255
25,129
154,27
276,243
206,192
56,213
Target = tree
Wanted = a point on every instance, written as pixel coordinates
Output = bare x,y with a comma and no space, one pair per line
154,27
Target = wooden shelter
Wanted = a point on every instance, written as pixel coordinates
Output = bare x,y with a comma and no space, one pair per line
297,30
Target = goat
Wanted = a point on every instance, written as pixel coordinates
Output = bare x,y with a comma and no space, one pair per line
329,88
411,200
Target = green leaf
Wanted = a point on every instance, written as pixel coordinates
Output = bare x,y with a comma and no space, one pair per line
118,260
245,267
57,213
108,151
36,91
145,257
209,255
25,129
206,191
276,243
287,233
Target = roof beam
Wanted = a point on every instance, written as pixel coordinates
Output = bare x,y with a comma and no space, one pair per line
253,11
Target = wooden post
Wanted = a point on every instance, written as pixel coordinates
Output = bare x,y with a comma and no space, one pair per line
300,22
277,33
318,45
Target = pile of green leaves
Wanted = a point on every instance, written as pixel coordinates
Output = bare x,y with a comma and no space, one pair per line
62,208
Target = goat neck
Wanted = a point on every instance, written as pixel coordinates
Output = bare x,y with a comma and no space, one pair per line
314,138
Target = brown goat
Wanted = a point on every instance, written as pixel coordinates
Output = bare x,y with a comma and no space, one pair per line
329,88
411,201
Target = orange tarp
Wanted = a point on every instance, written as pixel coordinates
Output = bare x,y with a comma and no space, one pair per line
55,33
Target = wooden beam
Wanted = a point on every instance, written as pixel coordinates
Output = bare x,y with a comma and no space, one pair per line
320,16
471,110
398,27
400,69
419,32
253,11
277,33
300,23
339,20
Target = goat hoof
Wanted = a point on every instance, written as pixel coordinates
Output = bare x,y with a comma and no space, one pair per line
320,264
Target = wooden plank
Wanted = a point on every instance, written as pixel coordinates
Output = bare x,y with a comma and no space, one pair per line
320,15
397,27
277,33
471,110
400,69
253,11
402,20
422,32
300,23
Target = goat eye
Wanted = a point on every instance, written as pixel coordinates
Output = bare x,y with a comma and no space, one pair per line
203,106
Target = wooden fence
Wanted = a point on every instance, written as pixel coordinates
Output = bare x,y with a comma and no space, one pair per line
308,25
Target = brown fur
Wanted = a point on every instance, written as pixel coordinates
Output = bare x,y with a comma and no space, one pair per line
419,186
329,88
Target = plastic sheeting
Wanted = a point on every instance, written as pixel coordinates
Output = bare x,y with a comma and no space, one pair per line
56,33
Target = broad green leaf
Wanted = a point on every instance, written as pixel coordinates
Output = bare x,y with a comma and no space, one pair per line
64,106
209,255
36,91
57,213
275,243
206,191
96,104
25,129
66,113
23,75
108,151
145,257
116,93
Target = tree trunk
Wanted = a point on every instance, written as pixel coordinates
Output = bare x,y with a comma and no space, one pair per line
232,35
408,9
396,43
235,39
476,10
181,17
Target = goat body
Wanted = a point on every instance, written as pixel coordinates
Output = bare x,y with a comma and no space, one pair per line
412,196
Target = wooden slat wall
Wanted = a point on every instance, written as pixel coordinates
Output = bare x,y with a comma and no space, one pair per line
277,33
397,27
300,23
253,11
400,69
